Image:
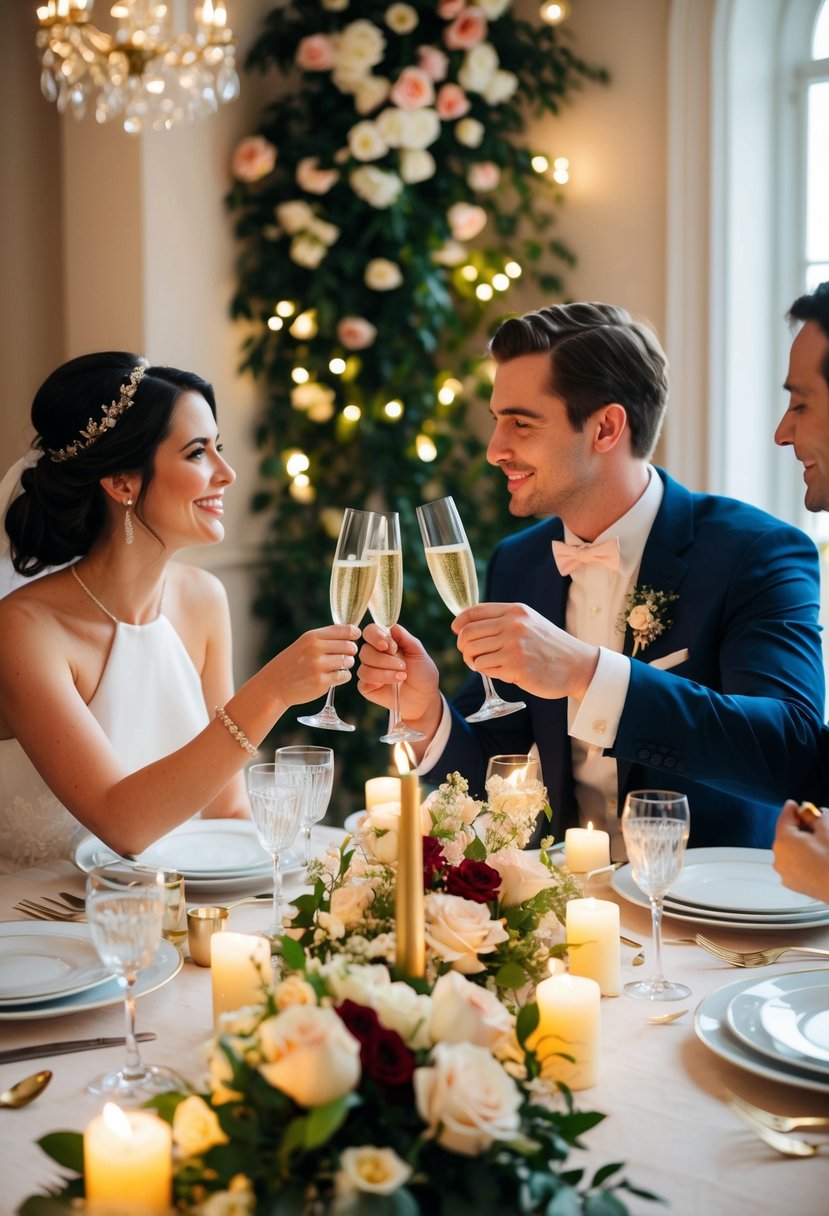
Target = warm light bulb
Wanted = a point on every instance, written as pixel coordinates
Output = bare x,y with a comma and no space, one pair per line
337,366
304,326
445,395
454,385
285,308
500,282
426,449
553,12
300,375
296,462
352,413
393,409
484,291
302,480
540,164
513,270
561,170
469,273
275,323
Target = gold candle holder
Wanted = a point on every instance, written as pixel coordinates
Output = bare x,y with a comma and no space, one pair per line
410,924
202,923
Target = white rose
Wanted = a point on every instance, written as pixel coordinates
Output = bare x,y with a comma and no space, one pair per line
382,275
416,165
383,846
501,87
370,92
463,1012
479,66
466,220
294,990
640,617
422,128
360,47
310,1055
314,179
451,253
484,175
240,1022
356,982
522,876
466,1098
323,231
307,251
469,132
350,903
376,1171
393,123
238,1200
405,1011
366,141
377,187
401,18
196,1127
458,930
294,216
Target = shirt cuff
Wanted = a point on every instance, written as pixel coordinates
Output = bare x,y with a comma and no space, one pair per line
597,719
440,738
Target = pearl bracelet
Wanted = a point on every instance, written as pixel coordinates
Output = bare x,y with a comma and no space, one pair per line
238,734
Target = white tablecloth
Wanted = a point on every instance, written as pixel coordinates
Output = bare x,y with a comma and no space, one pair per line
661,1089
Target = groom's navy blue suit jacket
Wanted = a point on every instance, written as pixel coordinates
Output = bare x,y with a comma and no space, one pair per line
735,725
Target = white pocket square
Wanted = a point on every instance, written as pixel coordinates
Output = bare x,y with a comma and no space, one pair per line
670,660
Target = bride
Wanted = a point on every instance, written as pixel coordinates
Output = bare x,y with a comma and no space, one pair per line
117,710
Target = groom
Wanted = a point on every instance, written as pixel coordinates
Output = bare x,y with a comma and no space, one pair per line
659,638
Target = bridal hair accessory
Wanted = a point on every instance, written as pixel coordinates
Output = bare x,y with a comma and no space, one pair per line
129,530
237,732
111,413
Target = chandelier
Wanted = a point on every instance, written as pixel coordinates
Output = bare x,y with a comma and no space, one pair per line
142,73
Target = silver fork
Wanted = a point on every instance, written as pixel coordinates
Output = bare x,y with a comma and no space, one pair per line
790,1146
755,958
773,1121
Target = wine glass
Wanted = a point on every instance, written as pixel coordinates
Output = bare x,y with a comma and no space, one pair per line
655,827
276,796
353,575
125,910
517,771
384,606
452,568
316,766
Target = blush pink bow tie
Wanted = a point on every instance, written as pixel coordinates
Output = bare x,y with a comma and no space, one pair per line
569,557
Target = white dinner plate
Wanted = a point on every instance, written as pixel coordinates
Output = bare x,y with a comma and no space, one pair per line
803,994
201,849
711,1027
44,965
623,884
167,962
795,919
736,880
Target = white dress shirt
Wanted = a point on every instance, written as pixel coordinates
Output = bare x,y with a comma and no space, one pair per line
594,603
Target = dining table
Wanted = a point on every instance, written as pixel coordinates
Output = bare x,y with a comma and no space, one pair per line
662,1090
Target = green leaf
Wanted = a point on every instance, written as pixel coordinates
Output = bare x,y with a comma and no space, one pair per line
66,1148
526,1022
606,1203
606,1171
565,1202
292,952
475,850
324,1121
510,975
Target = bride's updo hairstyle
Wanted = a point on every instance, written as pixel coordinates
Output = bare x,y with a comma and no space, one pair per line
127,407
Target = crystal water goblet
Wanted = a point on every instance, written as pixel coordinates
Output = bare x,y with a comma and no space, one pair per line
125,910
276,796
384,606
353,575
316,766
452,567
655,827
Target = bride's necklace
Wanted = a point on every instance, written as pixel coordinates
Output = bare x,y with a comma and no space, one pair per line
73,570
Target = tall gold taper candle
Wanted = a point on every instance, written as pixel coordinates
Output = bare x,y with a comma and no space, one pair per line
410,925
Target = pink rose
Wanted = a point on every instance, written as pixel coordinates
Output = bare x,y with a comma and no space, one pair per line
413,89
433,61
466,220
449,9
483,176
467,30
253,159
452,102
356,333
313,179
315,53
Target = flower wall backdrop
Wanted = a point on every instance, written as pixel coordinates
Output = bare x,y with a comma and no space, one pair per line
385,206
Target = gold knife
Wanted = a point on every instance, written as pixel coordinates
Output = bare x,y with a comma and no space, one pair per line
59,1049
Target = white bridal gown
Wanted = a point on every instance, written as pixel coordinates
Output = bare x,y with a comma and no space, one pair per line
149,703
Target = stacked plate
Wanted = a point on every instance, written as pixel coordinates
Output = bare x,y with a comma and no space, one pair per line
49,970
731,888
777,1028
210,854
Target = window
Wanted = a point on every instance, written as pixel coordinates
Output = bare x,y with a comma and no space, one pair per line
815,76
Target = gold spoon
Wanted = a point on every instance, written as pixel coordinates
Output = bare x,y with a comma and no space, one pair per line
662,1019
25,1091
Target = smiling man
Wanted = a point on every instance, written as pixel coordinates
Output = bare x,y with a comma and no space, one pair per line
710,686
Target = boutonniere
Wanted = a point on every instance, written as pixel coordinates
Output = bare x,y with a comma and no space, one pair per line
645,614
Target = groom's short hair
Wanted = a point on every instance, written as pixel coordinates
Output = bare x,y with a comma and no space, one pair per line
814,306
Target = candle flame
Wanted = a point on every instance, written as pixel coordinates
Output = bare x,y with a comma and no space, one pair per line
556,966
117,1121
404,758
518,776
590,825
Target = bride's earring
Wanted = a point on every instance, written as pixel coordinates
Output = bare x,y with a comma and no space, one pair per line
129,530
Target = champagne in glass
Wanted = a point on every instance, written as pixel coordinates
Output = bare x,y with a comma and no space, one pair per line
452,568
125,910
655,827
316,767
353,575
384,606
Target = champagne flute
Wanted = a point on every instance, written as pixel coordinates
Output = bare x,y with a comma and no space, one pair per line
384,606
316,766
276,796
125,910
452,568
655,827
353,575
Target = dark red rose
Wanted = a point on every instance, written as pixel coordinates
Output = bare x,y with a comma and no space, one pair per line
359,1019
386,1058
434,862
473,880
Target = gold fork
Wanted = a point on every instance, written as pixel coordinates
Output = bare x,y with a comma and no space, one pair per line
755,958
790,1146
30,907
773,1121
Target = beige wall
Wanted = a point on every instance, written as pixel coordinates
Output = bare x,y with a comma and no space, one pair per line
111,241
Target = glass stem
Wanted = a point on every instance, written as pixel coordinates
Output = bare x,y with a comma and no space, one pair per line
489,688
656,921
329,700
133,1067
307,831
395,711
276,919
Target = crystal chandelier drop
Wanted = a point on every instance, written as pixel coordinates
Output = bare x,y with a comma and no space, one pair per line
142,74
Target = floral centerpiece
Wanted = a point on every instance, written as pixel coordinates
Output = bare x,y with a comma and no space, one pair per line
349,1091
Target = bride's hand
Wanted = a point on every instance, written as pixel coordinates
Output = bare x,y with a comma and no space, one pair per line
308,667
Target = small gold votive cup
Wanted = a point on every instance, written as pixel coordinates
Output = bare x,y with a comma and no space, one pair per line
174,924
202,923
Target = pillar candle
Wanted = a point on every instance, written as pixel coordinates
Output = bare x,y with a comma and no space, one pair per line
127,1157
382,789
569,1020
586,849
240,970
410,925
593,942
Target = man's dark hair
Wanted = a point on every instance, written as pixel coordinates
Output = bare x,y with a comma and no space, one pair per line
814,307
